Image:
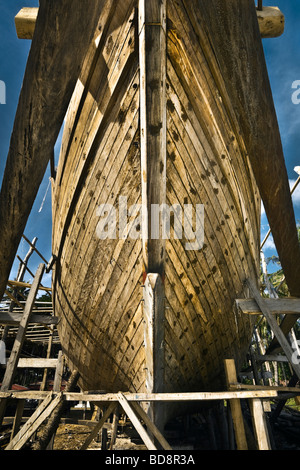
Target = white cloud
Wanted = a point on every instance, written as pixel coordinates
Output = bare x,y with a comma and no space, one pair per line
296,194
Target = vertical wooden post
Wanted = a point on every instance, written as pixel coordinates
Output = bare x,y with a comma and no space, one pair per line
49,347
259,424
235,405
114,428
57,387
20,337
153,312
18,418
153,53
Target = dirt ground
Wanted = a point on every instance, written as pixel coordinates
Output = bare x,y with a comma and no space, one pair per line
72,437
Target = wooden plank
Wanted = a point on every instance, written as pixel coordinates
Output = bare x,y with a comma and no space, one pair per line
12,319
135,422
235,406
18,343
168,397
151,426
271,357
37,363
264,387
274,326
114,431
25,22
154,318
26,284
153,52
280,306
46,400
260,425
145,397
33,424
18,418
98,426
58,372
271,22
54,63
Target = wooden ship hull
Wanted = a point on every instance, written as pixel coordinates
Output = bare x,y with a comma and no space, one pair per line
172,106
98,290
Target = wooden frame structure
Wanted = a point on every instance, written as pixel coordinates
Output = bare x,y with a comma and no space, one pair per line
131,403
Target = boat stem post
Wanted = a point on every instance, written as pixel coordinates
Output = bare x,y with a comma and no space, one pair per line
153,313
153,117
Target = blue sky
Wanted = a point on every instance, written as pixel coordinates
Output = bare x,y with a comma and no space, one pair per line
283,61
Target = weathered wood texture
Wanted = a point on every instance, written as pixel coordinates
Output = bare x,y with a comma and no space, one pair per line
53,67
235,405
25,22
271,22
18,343
232,28
154,319
280,306
277,331
153,116
101,323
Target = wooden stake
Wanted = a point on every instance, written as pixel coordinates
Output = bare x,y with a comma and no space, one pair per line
235,405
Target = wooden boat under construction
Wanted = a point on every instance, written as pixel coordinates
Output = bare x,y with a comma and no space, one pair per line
172,106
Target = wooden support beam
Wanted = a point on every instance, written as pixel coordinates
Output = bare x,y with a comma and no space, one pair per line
260,425
37,363
145,397
235,406
19,340
34,422
151,426
153,54
136,422
271,22
27,284
53,67
18,343
154,317
8,318
25,22
282,306
239,386
114,427
99,425
17,418
274,326
58,372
